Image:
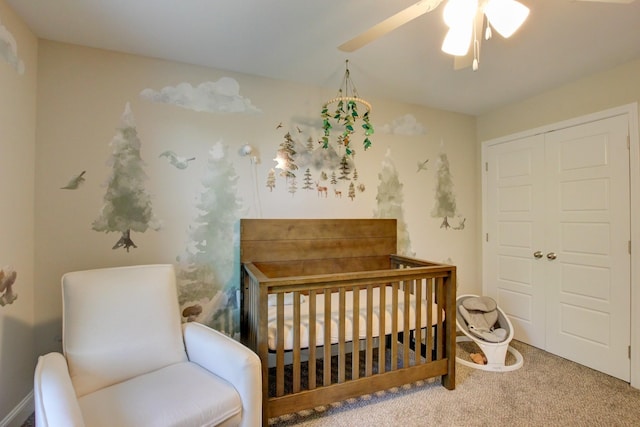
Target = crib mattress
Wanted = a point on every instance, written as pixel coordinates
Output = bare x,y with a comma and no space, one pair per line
349,317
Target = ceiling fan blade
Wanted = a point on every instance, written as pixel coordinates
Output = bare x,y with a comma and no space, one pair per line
390,24
466,61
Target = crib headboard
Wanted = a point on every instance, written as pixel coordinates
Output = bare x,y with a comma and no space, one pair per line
298,247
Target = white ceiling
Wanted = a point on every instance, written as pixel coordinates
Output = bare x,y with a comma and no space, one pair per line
296,40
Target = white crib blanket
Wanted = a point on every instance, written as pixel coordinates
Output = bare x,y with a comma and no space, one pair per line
335,313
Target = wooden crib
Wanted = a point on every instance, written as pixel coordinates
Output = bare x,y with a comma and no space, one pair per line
333,313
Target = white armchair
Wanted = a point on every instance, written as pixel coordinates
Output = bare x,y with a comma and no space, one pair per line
128,361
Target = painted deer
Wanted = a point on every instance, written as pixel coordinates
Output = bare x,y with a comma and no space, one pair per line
337,193
321,190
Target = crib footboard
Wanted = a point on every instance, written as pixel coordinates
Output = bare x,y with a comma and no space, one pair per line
323,338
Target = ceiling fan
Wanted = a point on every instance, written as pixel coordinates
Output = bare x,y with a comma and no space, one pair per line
465,18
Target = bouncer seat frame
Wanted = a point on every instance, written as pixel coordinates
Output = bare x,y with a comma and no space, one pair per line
495,352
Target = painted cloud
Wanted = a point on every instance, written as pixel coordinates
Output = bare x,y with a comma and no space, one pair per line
9,49
222,96
406,125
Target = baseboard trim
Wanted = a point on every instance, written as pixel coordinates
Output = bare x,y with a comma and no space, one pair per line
20,413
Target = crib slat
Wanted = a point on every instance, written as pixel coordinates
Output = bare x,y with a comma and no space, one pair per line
326,362
429,330
382,327
312,339
394,326
369,353
341,338
355,342
440,327
280,344
406,334
296,342
418,331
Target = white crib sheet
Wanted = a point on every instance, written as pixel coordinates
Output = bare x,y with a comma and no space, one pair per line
362,325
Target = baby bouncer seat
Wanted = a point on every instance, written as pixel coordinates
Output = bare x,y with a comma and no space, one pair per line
481,321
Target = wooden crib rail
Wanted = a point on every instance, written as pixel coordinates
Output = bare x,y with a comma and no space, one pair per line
431,282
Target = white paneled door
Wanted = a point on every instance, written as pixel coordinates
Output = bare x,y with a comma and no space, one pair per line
514,236
557,241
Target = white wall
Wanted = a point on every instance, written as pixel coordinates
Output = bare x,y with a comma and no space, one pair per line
17,147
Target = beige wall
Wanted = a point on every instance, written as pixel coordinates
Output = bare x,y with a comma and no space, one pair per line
617,87
17,147
82,93
601,91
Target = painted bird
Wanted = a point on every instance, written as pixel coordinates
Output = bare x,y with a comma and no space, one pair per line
75,182
175,160
422,165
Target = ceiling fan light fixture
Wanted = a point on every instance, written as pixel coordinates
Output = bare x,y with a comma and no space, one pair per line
506,16
457,40
459,12
459,15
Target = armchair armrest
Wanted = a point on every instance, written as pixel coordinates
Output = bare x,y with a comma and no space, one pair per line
231,361
55,398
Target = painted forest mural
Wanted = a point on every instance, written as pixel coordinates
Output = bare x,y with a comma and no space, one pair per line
296,163
390,202
208,287
315,167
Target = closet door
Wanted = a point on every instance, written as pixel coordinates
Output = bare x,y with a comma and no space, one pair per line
557,231
587,245
514,234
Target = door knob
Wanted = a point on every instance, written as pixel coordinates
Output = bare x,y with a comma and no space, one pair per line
552,255
537,254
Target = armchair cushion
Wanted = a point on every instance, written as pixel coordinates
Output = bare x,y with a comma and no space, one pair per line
147,401
116,314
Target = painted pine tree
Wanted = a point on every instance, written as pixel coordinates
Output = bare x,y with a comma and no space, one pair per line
445,200
307,181
293,186
206,270
390,201
286,154
271,179
127,205
344,168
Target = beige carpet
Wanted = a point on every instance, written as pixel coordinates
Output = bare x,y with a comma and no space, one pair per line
546,391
